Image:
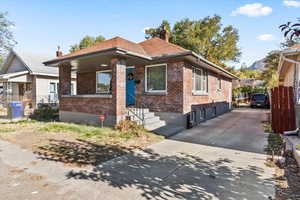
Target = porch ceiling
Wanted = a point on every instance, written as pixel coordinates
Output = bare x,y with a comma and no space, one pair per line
95,62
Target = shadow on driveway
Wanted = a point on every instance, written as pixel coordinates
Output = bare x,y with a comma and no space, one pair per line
180,176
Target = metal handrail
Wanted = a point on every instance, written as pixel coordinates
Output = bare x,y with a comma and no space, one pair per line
138,110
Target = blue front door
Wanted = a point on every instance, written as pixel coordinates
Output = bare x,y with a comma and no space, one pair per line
130,86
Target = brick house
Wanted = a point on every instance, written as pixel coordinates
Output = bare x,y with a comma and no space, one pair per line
154,82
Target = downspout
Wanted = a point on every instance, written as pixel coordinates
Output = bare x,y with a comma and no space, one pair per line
294,132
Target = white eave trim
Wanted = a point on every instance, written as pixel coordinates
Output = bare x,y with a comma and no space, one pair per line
12,75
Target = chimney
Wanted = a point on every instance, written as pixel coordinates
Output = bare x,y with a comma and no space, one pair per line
58,52
164,34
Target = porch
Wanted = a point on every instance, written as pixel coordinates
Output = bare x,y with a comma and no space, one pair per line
105,86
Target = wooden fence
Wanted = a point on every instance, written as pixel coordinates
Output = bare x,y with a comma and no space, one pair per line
283,109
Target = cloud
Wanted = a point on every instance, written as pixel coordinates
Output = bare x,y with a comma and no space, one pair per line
252,10
291,3
266,37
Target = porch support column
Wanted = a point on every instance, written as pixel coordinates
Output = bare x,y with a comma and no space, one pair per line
118,66
64,80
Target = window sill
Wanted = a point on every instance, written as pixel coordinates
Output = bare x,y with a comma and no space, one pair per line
89,96
156,93
199,94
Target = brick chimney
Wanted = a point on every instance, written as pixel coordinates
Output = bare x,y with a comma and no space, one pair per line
164,34
59,52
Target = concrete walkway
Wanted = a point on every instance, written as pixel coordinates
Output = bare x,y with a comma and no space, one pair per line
221,159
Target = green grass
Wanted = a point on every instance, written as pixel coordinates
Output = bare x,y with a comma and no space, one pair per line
85,131
6,130
92,132
25,121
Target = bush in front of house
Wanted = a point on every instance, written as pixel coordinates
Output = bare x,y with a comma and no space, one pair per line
45,113
130,127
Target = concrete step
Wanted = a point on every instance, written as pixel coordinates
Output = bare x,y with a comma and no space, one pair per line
147,115
155,125
168,130
151,120
140,110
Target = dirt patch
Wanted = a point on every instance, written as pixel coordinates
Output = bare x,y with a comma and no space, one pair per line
288,181
72,144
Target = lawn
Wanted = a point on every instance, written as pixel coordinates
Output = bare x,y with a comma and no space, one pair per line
75,144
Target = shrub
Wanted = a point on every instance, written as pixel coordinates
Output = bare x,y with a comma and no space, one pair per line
45,113
130,127
275,145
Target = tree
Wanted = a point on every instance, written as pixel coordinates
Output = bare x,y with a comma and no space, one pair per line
6,36
269,74
206,37
155,32
85,42
291,30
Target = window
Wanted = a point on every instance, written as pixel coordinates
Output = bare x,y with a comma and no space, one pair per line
72,89
53,88
200,81
219,83
103,81
156,78
53,97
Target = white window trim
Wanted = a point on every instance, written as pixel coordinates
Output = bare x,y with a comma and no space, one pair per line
166,83
98,92
55,88
199,92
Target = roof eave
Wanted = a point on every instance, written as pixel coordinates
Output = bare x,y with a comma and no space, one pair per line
191,53
110,50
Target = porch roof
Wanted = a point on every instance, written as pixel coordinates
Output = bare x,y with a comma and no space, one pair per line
5,77
149,51
288,58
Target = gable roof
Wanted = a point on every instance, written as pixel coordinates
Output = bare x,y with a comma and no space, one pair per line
32,62
158,47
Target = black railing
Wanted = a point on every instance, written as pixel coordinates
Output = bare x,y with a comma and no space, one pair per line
137,110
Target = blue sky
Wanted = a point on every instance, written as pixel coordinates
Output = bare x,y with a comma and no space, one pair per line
42,25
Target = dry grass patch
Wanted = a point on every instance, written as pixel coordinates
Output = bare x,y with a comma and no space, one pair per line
75,144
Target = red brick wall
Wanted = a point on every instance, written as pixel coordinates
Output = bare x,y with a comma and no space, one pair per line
86,82
64,80
169,102
213,95
96,106
118,86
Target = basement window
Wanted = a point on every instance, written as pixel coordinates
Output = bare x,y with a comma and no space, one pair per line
156,78
103,82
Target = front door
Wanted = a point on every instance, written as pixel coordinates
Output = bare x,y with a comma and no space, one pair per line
130,86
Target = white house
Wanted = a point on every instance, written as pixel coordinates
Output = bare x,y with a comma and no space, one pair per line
23,77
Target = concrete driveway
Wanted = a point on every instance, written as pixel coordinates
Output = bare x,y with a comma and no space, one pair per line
221,159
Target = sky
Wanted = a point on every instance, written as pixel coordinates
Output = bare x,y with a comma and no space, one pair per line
40,26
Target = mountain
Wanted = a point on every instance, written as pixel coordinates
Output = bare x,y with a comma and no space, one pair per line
258,65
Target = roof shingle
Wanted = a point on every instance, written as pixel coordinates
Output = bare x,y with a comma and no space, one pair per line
151,47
